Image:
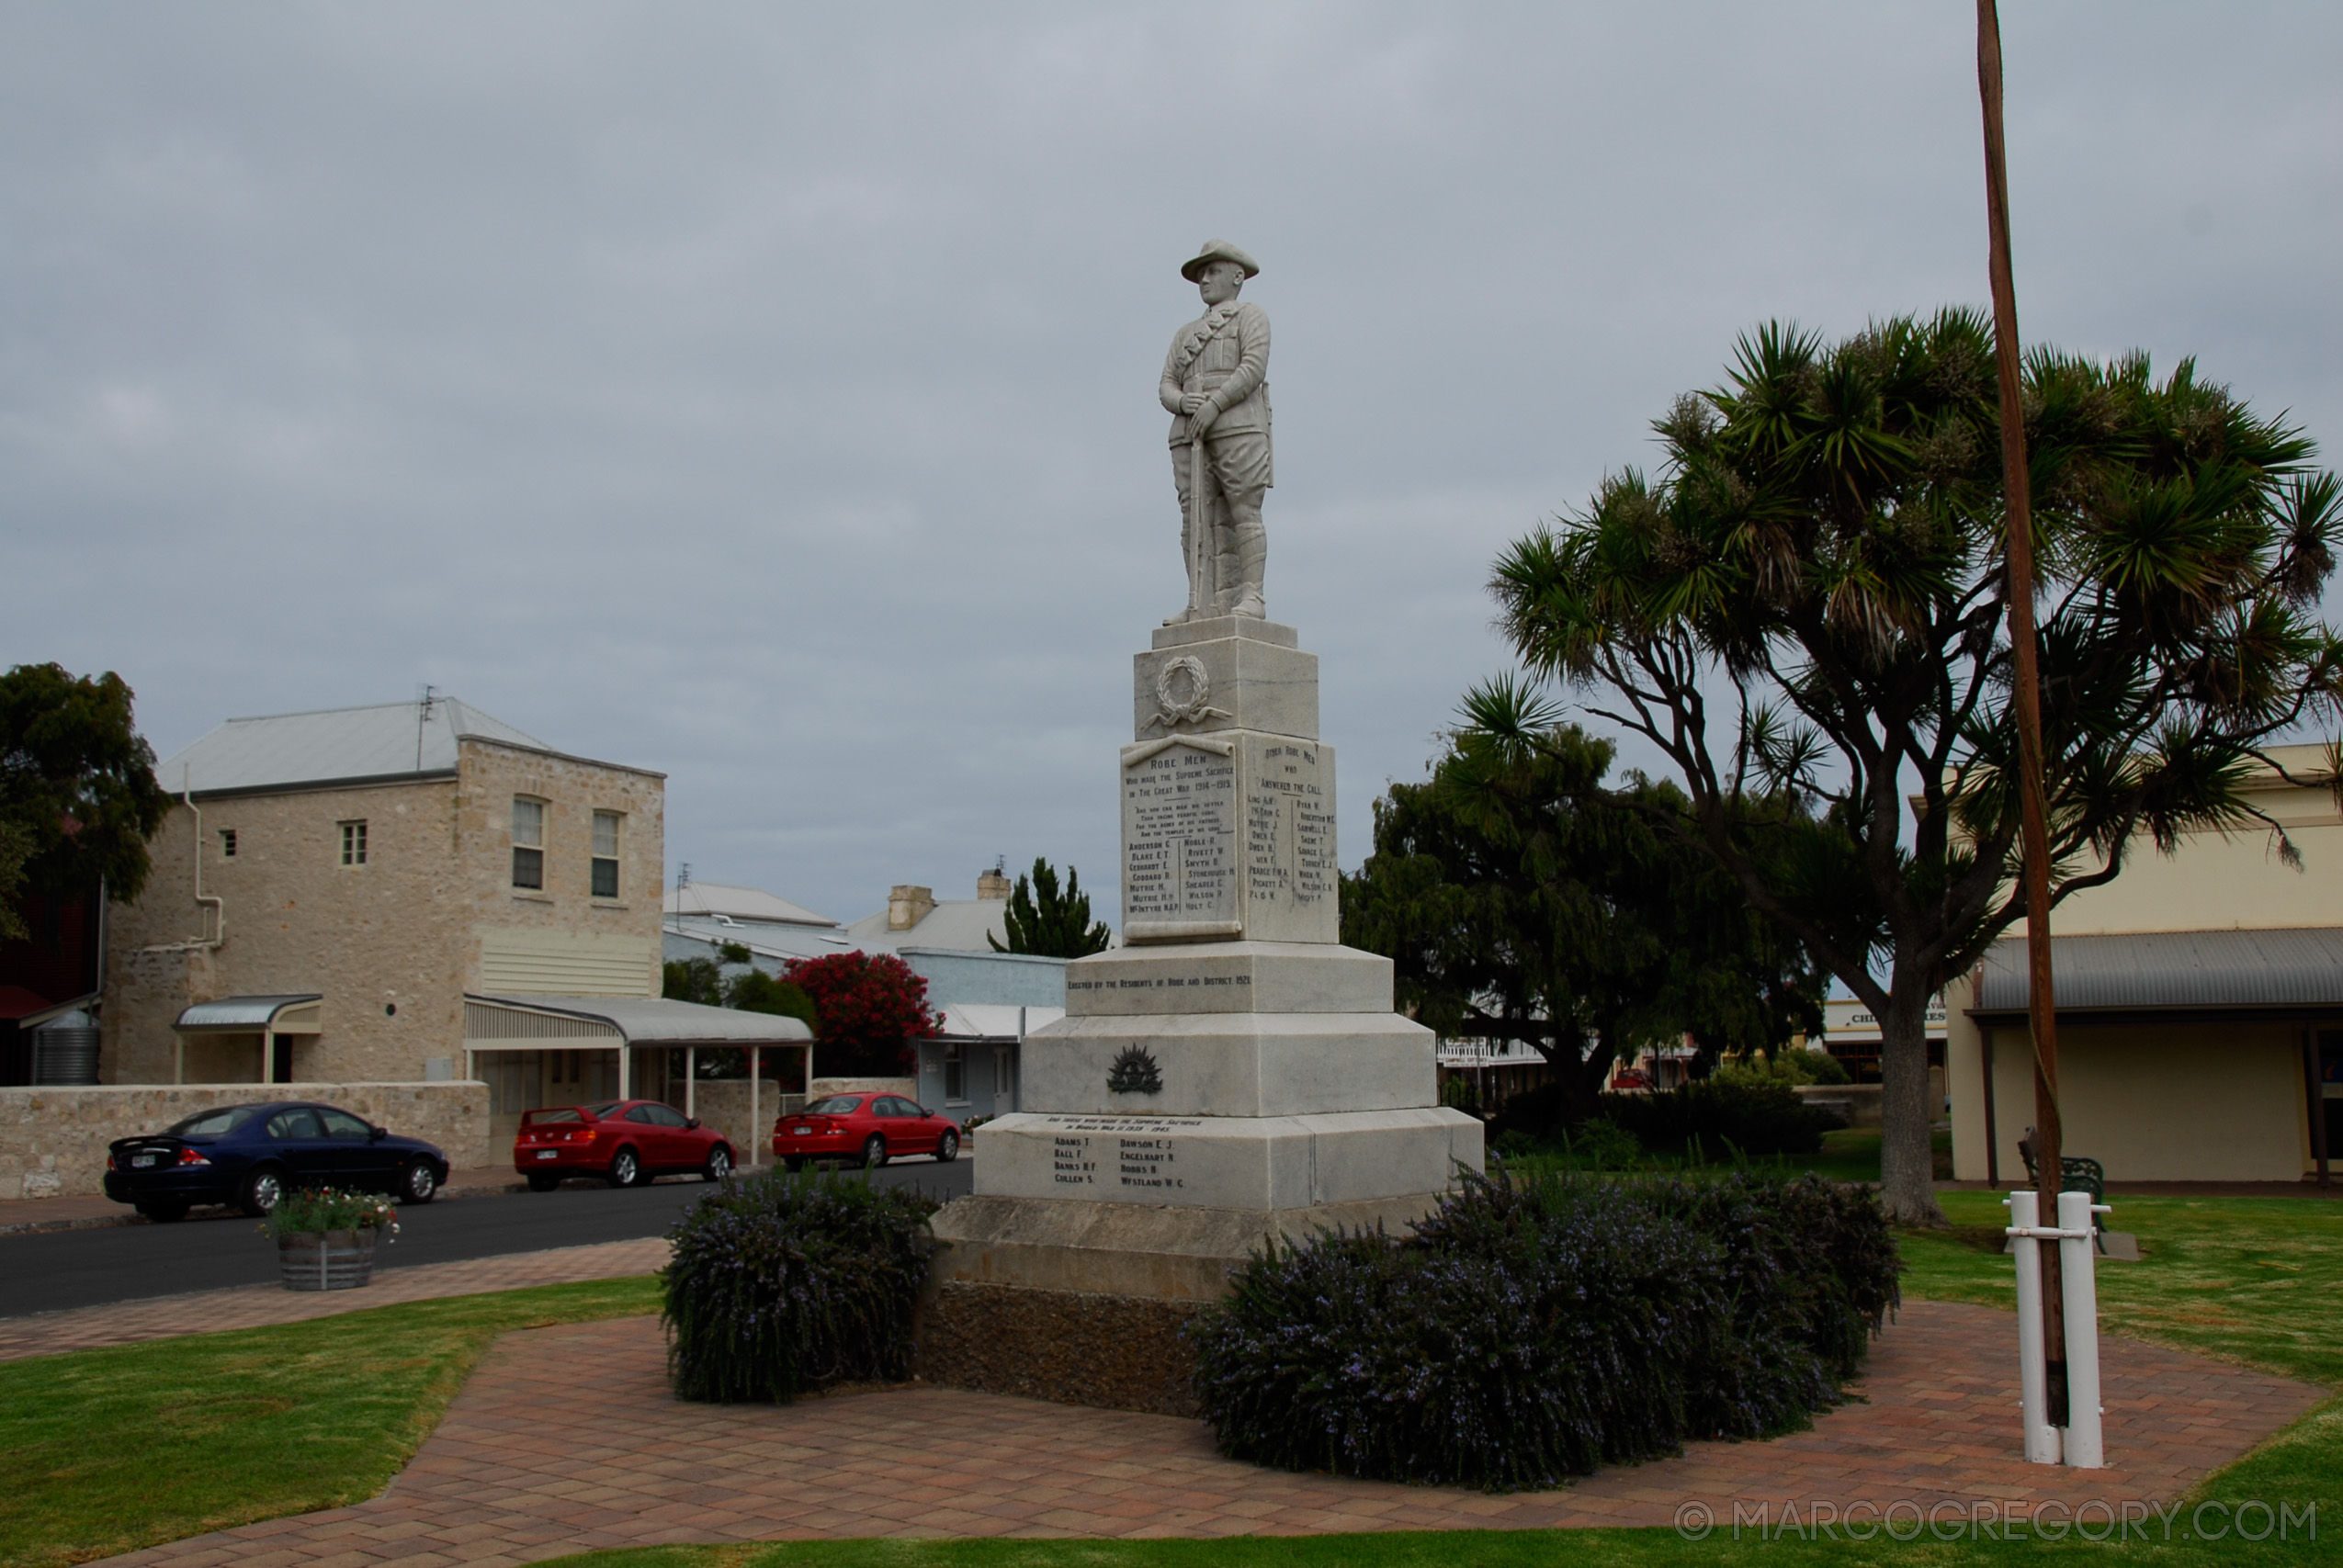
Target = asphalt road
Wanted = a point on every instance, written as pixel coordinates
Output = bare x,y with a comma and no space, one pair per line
210,1249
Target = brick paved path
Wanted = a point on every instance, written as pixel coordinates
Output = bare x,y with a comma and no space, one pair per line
534,1460
257,1306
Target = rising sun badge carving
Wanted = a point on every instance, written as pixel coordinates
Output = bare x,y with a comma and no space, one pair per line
1135,1072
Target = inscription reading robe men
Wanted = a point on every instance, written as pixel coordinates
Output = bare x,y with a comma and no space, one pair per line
1180,836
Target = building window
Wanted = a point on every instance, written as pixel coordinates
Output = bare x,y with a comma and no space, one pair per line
955,1074
605,854
528,843
353,844
1001,1072
226,843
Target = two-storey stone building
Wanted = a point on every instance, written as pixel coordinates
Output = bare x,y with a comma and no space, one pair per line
403,893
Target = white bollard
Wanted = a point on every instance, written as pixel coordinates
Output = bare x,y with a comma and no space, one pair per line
2034,1373
2086,1449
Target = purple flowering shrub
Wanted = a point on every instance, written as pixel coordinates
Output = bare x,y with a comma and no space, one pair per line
783,1284
1535,1329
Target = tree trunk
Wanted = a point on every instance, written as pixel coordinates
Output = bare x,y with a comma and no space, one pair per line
1906,1168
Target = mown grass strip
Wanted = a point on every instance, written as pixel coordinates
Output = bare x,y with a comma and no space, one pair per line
107,1450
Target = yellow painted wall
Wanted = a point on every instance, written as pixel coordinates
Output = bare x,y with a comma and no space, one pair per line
2166,1102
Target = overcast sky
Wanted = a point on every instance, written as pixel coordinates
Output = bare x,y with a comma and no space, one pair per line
764,393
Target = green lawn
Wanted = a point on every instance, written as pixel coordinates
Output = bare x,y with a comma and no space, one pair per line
227,1428
102,1452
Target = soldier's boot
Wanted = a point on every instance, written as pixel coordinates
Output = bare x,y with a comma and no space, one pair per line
1243,573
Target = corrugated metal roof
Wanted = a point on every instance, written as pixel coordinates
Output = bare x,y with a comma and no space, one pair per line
2149,970
387,740
656,1020
710,899
962,923
240,1013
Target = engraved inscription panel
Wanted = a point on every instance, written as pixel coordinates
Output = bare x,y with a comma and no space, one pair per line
1129,1156
1179,837
1289,827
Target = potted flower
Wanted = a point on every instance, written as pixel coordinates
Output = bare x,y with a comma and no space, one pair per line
325,1238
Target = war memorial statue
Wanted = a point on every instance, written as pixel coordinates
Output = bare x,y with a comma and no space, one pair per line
1231,1075
1216,384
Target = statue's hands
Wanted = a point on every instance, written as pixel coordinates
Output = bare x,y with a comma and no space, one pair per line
1200,419
1193,401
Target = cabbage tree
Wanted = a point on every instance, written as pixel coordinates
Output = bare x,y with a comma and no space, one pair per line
1805,605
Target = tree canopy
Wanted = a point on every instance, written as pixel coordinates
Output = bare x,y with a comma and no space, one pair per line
1043,920
1807,607
704,980
77,786
1523,899
871,1006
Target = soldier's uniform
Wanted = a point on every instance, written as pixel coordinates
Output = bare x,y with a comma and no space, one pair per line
1224,355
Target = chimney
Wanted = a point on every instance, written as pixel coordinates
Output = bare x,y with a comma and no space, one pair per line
993,883
907,906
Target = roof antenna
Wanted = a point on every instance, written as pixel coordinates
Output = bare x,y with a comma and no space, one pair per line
422,716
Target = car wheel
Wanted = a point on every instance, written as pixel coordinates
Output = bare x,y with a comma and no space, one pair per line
543,1181
164,1214
626,1168
873,1152
419,1183
720,1163
794,1163
262,1191
947,1147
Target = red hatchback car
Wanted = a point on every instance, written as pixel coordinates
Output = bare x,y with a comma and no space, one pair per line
625,1142
871,1128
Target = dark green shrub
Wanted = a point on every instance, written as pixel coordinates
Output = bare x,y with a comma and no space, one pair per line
781,1284
1535,1328
1754,1115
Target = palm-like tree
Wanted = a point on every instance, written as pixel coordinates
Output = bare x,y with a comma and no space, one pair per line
1806,606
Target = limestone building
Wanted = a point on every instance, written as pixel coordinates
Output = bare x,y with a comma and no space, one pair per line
378,894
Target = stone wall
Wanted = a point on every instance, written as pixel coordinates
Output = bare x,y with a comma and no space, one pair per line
52,1141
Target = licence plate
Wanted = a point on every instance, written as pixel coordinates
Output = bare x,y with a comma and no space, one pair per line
549,1154
141,1161
801,1131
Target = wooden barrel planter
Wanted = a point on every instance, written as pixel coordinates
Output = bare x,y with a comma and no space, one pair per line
326,1260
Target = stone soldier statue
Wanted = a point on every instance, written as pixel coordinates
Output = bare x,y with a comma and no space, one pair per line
1215,384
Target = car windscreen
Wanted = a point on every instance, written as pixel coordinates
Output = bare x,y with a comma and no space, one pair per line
836,1105
539,1117
211,1124
603,1111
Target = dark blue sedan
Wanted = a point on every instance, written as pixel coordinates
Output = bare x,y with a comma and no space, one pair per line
252,1154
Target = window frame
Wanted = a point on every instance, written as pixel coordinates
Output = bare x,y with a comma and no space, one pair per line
513,823
226,843
353,845
597,860
956,1073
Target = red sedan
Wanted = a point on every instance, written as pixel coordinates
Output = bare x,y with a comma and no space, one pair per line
872,1128
624,1141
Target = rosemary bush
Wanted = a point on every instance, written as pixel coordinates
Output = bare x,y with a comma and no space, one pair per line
782,1284
1537,1328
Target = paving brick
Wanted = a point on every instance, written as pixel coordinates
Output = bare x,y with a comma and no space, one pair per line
506,1479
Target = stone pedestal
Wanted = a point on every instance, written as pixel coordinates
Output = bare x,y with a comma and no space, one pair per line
1231,1076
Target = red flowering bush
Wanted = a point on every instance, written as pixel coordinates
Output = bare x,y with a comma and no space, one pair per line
871,1010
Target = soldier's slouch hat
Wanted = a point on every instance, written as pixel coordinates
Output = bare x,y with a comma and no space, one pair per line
1217,250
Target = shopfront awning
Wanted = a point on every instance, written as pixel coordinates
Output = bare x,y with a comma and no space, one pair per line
2237,973
253,1015
522,1024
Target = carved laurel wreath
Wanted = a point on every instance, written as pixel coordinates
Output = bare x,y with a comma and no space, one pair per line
1183,690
